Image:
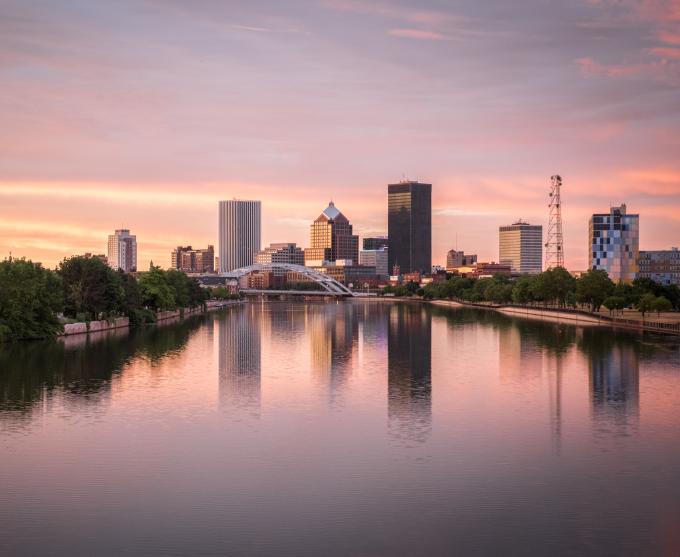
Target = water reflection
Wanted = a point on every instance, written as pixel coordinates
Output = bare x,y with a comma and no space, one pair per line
240,359
80,368
409,368
614,373
334,331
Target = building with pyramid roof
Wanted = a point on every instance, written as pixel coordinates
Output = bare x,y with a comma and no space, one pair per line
331,239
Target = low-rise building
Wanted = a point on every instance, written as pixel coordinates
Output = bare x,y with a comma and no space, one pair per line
661,266
456,259
345,272
482,270
281,253
192,260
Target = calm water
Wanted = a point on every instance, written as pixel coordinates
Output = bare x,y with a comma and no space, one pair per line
342,429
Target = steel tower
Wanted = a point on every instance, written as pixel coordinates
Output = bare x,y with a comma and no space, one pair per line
554,247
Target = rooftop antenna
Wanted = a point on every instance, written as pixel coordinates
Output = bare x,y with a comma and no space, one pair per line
554,246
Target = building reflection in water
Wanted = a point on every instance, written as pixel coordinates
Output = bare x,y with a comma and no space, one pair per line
409,365
614,370
334,331
239,360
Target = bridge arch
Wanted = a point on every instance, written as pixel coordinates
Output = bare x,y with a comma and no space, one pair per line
329,284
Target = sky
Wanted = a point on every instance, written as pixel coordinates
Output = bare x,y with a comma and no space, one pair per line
143,114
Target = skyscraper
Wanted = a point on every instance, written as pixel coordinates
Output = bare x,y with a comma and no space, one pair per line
409,223
520,245
332,238
122,251
240,231
614,243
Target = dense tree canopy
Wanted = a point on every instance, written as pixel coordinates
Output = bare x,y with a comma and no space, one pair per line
85,288
30,298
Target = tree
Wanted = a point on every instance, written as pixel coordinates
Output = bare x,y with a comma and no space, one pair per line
593,288
661,304
522,290
613,303
91,287
156,292
646,303
179,283
30,298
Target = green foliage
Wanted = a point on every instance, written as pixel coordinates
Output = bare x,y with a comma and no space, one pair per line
593,288
646,303
523,290
157,294
91,288
614,303
661,304
30,298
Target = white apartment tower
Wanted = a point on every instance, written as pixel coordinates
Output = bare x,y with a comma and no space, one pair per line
520,245
239,233
123,251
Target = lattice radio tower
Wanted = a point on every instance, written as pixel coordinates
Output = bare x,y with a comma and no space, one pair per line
554,247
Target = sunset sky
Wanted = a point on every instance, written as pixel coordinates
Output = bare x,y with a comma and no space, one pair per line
143,114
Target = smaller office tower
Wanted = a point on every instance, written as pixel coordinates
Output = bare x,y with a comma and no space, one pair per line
614,243
375,258
520,246
122,249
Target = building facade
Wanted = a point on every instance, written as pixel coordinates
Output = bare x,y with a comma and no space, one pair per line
409,224
520,245
122,251
192,260
661,266
614,243
239,233
456,259
375,242
281,253
332,239
377,258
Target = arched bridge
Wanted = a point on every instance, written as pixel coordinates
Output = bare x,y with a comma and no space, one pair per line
330,285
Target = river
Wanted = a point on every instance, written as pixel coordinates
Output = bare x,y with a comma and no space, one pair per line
351,428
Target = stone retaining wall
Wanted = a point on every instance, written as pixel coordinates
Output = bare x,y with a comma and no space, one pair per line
121,322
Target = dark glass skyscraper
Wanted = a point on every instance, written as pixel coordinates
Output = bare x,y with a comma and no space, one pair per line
409,223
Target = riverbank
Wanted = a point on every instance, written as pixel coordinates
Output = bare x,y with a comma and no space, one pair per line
576,317
90,327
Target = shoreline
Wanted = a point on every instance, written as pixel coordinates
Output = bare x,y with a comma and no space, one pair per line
571,317
119,323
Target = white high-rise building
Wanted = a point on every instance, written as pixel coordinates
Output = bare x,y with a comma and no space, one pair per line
520,245
239,233
123,251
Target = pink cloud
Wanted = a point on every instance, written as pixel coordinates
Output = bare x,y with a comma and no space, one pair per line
419,34
666,53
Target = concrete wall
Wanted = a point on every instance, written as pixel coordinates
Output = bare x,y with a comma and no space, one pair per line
121,322
95,326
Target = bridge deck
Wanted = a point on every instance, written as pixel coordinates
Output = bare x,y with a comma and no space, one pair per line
323,293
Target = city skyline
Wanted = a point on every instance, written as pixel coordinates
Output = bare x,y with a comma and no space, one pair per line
126,126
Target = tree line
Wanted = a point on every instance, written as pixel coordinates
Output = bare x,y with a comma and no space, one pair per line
554,287
35,301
